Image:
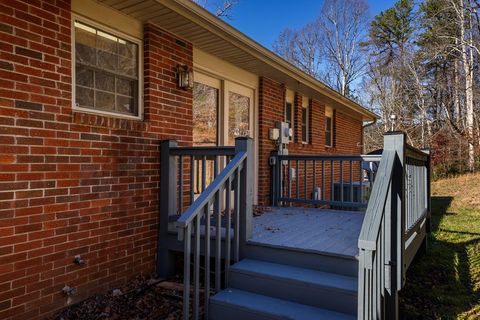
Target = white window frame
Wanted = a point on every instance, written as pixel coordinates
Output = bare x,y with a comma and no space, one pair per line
329,115
138,42
306,107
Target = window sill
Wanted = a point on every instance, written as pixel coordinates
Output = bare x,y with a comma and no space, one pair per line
107,114
96,119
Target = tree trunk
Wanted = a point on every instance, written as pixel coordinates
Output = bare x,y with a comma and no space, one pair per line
467,57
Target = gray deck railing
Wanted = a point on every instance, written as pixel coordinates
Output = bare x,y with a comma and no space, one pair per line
336,181
394,227
227,201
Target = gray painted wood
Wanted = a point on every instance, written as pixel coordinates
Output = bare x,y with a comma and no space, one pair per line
306,286
315,230
234,304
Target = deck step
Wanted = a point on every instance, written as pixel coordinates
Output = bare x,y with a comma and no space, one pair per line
322,261
235,304
307,286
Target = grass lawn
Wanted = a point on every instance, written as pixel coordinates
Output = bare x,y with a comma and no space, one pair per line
445,283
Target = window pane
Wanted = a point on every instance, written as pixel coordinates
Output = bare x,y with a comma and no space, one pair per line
84,77
105,100
107,61
127,66
288,113
304,133
83,96
85,38
126,87
328,138
205,108
238,116
304,116
125,104
328,124
106,42
104,82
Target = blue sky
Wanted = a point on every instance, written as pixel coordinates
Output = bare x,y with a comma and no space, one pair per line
263,20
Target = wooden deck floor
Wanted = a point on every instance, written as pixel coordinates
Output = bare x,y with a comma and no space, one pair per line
319,230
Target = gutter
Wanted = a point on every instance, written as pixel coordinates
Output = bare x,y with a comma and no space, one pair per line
370,123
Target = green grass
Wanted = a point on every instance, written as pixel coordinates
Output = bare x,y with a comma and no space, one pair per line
445,282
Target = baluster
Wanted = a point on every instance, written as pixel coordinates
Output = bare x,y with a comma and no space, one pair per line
322,196
218,242
228,190
236,214
192,178
204,172
314,174
186,267
297,180
351,181
196,268
361,182
332,171
342,197
289,180
206,213
305,179
180,190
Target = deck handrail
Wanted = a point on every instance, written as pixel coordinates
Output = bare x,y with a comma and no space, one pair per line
331,180
230,190
394,227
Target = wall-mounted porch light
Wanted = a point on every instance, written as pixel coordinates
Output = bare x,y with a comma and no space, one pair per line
185,77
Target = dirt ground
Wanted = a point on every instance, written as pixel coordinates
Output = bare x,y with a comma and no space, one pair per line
143,298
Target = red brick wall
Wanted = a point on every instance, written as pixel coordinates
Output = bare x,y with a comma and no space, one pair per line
74,183
271,108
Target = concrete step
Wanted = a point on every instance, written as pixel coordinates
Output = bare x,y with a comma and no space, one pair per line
307,286
235,304
322,261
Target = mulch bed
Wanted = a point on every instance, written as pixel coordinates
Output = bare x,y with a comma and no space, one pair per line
143,298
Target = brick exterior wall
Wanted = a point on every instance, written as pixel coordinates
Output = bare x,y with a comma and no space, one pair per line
75,183
348,140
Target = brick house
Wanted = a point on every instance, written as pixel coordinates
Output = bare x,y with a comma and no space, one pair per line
88,89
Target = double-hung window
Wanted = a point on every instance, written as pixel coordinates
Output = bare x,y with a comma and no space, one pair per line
289,113
107,71
329,127
305,115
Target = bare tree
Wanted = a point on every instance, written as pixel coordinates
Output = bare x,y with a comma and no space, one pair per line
342,25
466,48
329,47
302,48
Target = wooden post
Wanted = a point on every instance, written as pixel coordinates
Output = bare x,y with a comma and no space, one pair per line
429,195
168,206
245,144
395,224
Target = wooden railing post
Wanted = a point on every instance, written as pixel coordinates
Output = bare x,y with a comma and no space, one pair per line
395,224
429,195
245,144
168,206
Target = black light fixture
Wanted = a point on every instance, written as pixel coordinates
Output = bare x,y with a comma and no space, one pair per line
185,77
